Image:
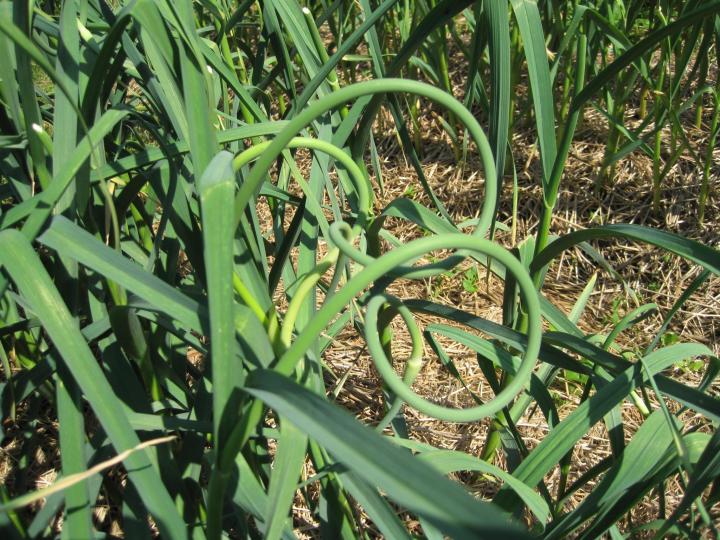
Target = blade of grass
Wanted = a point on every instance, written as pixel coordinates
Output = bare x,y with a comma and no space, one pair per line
531,30
71,425
71,480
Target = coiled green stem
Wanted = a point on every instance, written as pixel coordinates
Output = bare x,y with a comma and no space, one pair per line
414,362
391,265
380,268
366,88
356,175
401,387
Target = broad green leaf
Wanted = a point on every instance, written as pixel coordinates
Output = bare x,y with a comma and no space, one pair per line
289,461
647,447
410,483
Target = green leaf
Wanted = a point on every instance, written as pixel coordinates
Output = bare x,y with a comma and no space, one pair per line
531,30
410,483
71,425
289,461
447,461
71,241
692,250
217,190
645,450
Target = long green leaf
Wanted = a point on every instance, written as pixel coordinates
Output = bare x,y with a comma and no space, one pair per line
692,250
531,30
407,481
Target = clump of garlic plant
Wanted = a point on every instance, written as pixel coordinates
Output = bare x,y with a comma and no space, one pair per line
144,144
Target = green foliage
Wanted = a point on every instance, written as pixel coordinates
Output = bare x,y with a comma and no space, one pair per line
152,205
470,280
